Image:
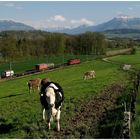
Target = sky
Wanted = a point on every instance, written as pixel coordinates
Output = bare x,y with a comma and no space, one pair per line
62,14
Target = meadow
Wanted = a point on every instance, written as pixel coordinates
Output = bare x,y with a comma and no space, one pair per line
128,59
21,112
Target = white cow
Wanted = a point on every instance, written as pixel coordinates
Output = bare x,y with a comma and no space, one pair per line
51,98
126,67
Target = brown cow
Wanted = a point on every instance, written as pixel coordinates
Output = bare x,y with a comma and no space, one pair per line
34,83
45,80
89,74
44,83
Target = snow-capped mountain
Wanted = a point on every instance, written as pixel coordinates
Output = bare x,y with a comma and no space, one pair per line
122,22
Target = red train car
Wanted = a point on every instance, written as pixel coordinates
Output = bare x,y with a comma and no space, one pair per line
73,61
41,67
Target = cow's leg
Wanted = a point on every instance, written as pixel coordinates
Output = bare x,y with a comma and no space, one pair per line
44,114
85,77
58,119
49,119
33,89
49,123
38,88
29,90
93,76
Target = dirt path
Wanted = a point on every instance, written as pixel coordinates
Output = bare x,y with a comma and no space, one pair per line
85,123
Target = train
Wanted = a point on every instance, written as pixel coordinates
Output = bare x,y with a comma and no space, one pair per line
39,68
73,61
7,73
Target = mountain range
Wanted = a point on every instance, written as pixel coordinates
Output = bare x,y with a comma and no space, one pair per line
114,24
6,25
117,23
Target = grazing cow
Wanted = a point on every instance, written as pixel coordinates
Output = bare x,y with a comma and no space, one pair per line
89,74
126,67
51,97
34,83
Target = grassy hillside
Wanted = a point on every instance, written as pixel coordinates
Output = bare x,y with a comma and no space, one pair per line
21,115
134,61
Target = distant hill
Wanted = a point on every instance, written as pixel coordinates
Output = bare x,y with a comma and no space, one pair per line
123,22
6,25
123,33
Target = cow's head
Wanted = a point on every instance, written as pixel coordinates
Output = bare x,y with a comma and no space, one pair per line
50,97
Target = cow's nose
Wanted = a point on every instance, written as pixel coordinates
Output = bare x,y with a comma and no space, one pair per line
51,105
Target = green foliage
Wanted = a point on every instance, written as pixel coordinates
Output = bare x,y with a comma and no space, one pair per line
14,45
134,50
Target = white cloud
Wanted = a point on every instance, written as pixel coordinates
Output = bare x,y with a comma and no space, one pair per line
82,21
58,18
59,21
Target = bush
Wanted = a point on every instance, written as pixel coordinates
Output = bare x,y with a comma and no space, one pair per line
133,51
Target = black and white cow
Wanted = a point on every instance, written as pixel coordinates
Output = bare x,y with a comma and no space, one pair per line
51,97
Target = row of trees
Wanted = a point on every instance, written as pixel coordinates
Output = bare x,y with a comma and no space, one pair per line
15,45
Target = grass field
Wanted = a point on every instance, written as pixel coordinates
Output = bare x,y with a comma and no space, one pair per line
21,112
21,115
128,59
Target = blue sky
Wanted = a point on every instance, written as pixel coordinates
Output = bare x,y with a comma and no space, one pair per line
53,14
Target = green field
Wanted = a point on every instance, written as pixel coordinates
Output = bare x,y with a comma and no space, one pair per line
128,59
21,115
30,62
21,110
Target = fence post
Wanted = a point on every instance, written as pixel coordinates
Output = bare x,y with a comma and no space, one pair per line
126,124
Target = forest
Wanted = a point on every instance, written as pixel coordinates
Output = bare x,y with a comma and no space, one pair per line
19,44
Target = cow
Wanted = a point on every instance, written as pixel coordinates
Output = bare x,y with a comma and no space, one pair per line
51,98
89,74
45,81
34,83
126,67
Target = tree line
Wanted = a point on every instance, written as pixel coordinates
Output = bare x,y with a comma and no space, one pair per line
18,44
